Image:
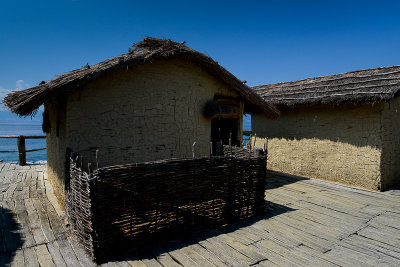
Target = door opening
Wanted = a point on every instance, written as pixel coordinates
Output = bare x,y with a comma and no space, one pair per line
221,129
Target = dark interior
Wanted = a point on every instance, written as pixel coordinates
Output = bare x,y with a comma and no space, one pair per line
221,130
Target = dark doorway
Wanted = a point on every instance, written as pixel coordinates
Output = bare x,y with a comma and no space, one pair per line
221,129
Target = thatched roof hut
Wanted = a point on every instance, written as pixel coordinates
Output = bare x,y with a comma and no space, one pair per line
339,127
151,103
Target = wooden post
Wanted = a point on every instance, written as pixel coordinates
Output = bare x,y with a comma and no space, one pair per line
21,150
193,148
230,142
211,150
97,159
249,145
255,138
81,165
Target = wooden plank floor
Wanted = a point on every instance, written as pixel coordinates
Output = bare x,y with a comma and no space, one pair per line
308,223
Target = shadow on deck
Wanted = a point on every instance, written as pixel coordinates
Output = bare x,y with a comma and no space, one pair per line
277,179
307,223
10,236
159,249
183,240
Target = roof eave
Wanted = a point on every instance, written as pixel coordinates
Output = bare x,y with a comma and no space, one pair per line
25,102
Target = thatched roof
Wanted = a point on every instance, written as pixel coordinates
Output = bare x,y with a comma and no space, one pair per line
26,102
362,86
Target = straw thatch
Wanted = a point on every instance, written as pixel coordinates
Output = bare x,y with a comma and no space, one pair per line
26,102
362,86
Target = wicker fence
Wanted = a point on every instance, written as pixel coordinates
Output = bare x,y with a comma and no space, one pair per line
127,205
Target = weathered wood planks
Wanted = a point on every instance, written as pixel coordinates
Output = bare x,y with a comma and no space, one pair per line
309,223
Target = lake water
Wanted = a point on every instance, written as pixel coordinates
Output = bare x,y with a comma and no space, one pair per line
11,144
35,128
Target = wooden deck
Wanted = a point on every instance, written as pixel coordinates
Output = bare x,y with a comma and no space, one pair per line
309,223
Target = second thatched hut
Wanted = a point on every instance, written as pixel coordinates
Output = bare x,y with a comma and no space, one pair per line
342,128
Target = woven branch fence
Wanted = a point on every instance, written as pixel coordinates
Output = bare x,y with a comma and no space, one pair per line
124,206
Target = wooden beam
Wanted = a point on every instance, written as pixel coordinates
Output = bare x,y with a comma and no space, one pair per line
25,136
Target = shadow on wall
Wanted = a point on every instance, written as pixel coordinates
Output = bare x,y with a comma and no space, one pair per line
159,250
10,236
357,125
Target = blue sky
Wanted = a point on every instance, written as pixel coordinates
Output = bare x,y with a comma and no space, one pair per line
258,41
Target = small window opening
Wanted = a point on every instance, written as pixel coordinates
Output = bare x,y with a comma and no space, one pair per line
46,121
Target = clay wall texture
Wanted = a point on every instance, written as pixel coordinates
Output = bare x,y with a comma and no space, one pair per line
56,146
343,144
151,112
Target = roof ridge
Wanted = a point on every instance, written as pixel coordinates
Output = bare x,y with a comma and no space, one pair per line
26,102
333,75
281,94
360,86
312,86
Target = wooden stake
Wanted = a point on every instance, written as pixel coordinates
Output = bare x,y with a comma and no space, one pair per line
193,148
249,145
81,165
97,158
255,138
230,142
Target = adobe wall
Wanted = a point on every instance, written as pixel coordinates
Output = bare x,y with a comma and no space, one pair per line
151,112
56,147
390,163
340,144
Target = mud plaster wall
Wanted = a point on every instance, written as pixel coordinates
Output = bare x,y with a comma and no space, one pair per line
390,163
151,112
340,144
56,146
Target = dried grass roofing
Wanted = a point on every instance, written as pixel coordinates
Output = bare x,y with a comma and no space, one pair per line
26,102
362,86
